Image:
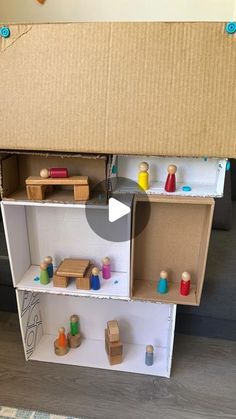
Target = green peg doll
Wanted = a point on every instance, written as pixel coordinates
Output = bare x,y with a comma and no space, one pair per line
44,277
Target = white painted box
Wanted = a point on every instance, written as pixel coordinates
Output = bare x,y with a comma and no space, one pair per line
140,323
205,176
35,230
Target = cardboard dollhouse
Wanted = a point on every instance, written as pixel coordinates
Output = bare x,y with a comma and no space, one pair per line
113,95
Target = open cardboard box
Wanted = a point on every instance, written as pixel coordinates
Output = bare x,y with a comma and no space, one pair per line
17,167
205,176
34,230
175,239
41,314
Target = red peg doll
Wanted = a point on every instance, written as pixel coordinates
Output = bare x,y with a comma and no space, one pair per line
170,185
185,284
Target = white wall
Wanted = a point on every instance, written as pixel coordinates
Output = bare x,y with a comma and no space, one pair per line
24,11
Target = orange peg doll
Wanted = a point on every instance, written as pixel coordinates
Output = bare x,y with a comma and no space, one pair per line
170,185
61,343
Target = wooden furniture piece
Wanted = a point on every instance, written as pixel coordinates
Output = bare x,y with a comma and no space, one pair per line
36,186
113,345
80,269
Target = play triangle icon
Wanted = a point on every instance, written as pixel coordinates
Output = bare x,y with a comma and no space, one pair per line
117,210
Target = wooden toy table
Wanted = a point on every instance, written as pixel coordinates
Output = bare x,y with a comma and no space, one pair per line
36,186
80,269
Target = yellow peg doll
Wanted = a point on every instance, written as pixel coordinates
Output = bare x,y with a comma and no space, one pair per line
143,176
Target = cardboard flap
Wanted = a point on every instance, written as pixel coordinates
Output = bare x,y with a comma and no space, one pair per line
17,31
124,88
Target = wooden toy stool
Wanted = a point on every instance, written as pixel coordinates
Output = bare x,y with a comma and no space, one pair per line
73,268
36,186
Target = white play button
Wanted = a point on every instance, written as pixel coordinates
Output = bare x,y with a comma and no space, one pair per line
116,210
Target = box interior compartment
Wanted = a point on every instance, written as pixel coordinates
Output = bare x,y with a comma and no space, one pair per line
205,176
175,239
63,231
140,324
16,168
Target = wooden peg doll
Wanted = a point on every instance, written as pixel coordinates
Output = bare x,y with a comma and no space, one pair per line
74,338
61,343
48,261
95,281
162,286
74,324
44,277
54,172
106,268
185,284
170,185
149,355
143,176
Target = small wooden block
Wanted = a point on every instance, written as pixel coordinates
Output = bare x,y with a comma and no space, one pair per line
73,267
74,341
114,360
59,350
113,348
35,192
71,180
116,350
83,283
60,281
113,331
81,193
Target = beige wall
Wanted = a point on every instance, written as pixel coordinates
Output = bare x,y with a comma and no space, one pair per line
24,11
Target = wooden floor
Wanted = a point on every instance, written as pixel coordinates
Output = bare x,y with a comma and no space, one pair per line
203,383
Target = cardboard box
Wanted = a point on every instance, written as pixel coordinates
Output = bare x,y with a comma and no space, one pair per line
35,230
41,315
17,167
124,88
175,239
205,176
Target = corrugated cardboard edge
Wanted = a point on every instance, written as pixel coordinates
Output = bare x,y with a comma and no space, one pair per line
134,88
56,153
17,31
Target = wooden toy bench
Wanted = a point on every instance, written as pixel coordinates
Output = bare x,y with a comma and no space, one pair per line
80,269
36,186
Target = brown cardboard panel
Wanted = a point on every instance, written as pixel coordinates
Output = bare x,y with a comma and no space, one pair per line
16,32
131,88
175,239
9,183
17,168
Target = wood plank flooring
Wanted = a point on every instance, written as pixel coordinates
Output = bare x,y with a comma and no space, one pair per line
203,383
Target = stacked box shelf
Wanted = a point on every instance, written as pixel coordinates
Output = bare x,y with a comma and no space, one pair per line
175,238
